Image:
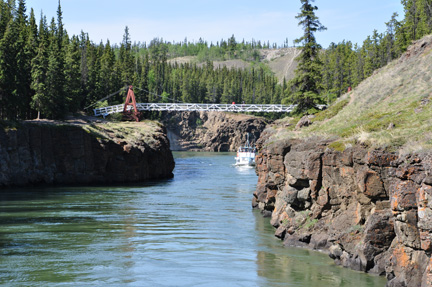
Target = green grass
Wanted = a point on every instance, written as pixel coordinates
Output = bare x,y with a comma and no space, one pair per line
309,223
331,111
131,132
391,110
337,145
94,131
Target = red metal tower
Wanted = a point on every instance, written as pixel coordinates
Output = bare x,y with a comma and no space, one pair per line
131,114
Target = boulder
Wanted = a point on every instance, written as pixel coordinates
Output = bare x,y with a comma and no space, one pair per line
305,121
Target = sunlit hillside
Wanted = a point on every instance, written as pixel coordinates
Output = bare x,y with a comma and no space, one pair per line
280,61
392,109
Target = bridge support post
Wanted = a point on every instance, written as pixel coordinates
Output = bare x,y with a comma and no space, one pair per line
128,114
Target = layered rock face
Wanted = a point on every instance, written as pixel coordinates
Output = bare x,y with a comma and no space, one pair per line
66,154
211,131
370,210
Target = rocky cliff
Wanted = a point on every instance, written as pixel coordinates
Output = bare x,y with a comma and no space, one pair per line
53,153
370,210
211,131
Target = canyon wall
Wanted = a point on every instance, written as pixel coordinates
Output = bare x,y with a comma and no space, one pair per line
370,210
211,131
68,154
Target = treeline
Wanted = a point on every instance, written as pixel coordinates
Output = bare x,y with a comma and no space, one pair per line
346,65
219,51
45,71
207,84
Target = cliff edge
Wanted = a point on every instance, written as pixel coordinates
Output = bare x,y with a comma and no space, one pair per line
369,209
83,153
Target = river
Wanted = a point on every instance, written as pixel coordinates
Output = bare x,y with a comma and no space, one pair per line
197,229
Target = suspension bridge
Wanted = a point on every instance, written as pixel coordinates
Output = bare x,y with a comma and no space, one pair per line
182,107
132,108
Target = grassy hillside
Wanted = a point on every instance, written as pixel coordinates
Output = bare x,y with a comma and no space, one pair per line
280,61
392,109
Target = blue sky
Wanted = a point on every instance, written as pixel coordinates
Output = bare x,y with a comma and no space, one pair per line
174,20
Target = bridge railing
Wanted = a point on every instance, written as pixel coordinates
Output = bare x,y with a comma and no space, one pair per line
198,107
108,110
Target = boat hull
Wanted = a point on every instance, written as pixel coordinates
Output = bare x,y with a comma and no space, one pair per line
245,155
245,160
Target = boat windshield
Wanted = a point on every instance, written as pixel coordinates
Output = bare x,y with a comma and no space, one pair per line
246,149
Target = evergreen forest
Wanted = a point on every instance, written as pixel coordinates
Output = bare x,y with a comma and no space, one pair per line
46,72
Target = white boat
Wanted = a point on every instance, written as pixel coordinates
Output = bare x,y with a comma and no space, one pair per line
245,155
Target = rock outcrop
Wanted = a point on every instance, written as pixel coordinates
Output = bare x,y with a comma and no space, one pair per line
68,154
211,131
369,209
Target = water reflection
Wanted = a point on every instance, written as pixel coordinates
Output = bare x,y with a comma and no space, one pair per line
282,266
197,229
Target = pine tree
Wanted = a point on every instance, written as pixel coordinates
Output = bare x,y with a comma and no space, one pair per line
72,72
39,64
55,79
14,60
416,24
60,27
185,88
107,75
6,9
357,69
391,49
306,84
22,59
84,43
143,84
31,47
231,46
7,78
126,60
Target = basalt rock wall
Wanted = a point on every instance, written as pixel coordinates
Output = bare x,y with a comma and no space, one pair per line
66,154
370,210
211,131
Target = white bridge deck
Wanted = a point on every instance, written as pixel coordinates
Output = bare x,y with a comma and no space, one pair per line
199,107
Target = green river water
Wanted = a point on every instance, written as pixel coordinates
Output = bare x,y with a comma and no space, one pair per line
197,229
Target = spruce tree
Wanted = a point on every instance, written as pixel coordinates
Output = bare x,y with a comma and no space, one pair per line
126,59
22,58
107,76
55,81
144,85
31,47
72,72
39,64
9,99
305,86
5,16
392,51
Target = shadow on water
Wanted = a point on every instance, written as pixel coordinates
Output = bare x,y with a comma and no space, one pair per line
196,229
45,190
289,266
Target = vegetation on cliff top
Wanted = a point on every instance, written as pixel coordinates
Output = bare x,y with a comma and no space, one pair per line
130,132
127,132
391,109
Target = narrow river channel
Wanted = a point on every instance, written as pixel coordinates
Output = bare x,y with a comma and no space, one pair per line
197,229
